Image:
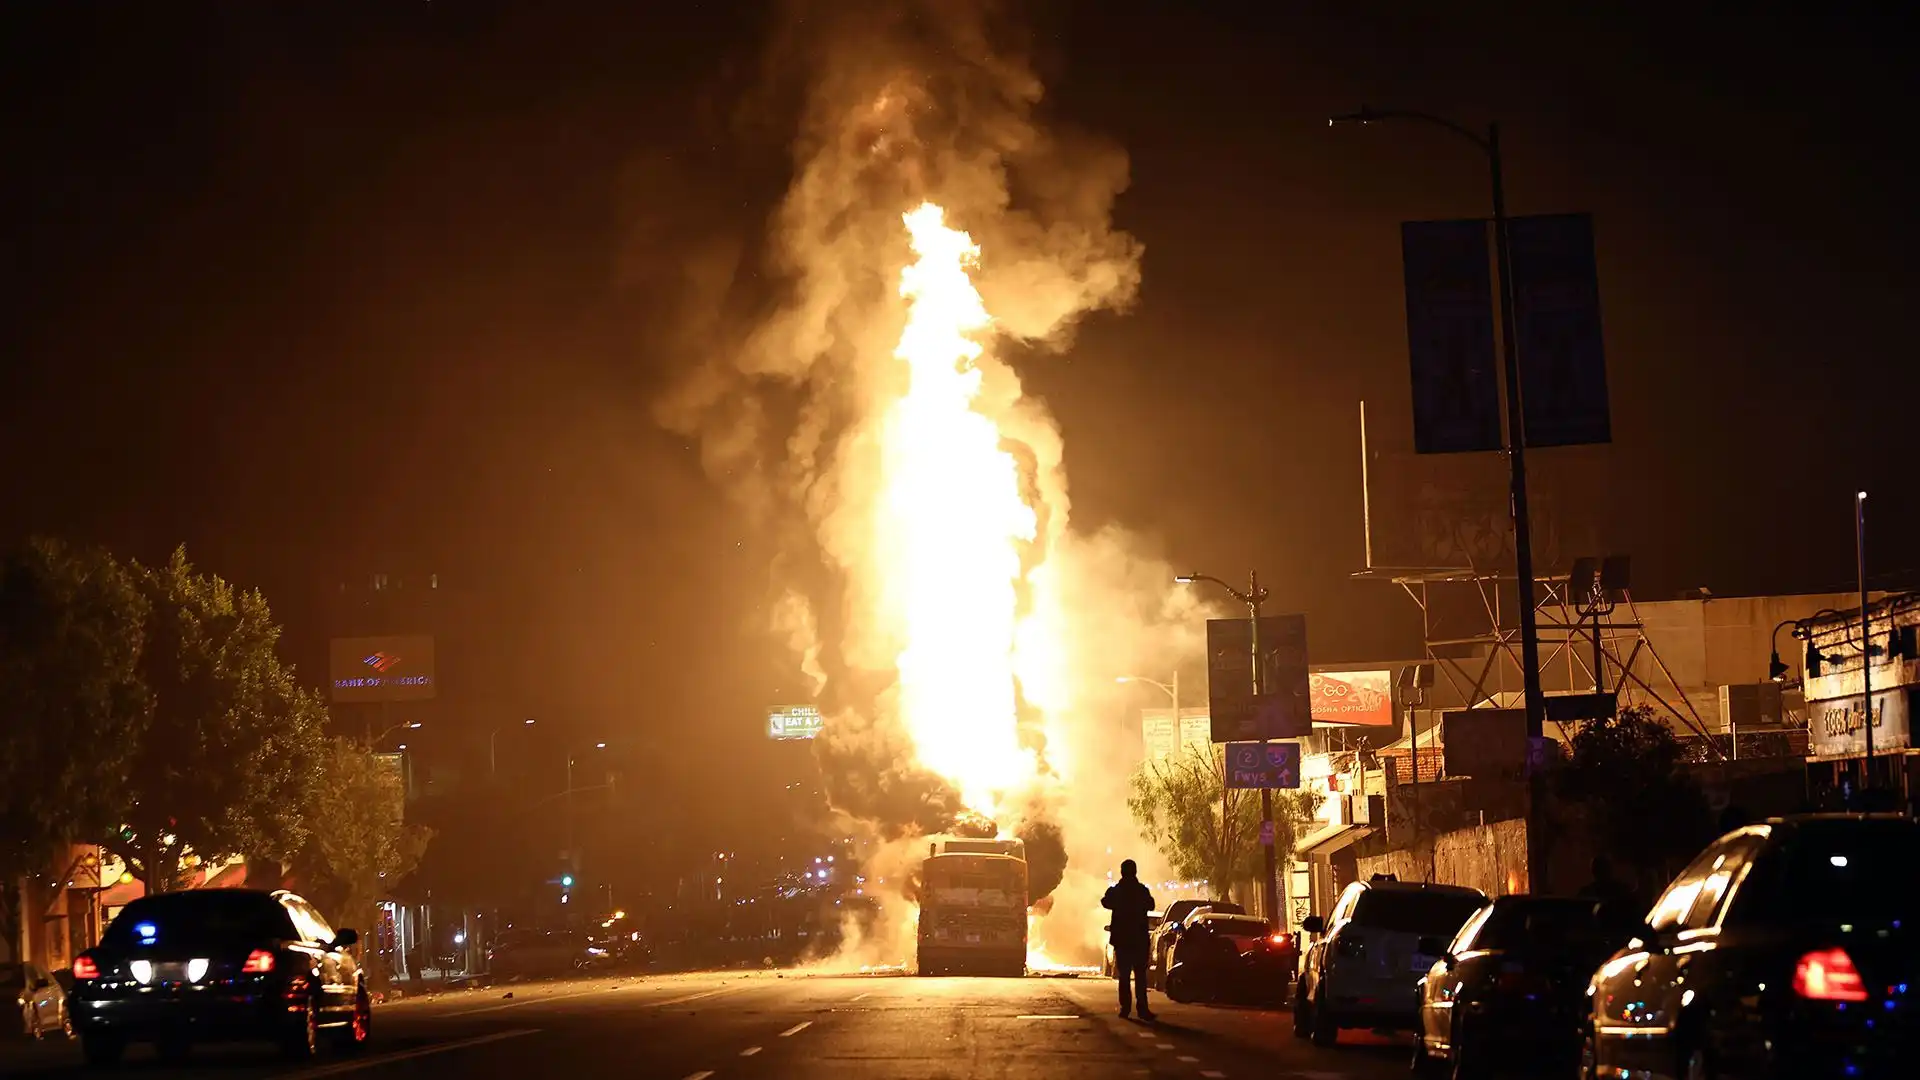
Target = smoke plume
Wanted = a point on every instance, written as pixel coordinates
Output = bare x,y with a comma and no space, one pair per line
900,103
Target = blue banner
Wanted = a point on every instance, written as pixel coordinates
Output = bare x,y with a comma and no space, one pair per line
1556,306
1456,385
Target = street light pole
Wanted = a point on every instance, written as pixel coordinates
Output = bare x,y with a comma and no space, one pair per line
1489,144
1253,597
1866,640
492,762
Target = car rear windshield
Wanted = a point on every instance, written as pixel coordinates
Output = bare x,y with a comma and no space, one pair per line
1240,927
1440,914
1539,923
1848,871
200,917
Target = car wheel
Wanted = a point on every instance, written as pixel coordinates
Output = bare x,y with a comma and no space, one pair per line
102,1051
1422,1064
304,1039
358,1030
1302,1015
1325,1031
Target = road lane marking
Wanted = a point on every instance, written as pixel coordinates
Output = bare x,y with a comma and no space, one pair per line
1212,1074
700,1075
1189,1059
417,1052
797,1028
1046,1016
1163,1046
1146,1034
750,1051
645,1004
861,994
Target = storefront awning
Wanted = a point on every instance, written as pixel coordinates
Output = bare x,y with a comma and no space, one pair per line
1331,838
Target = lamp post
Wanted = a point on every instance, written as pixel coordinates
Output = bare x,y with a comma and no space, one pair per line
596,746
1489,145
1172,690
492,762
1866,639
1252,597
409,725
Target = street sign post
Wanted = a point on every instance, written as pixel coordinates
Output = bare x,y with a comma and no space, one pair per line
1252,765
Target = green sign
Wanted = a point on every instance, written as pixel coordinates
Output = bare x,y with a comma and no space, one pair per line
794,722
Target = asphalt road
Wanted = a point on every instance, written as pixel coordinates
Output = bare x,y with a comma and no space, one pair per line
767,1026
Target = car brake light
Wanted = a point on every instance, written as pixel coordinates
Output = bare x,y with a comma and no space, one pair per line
1828,975
259,961
84,967
1281,940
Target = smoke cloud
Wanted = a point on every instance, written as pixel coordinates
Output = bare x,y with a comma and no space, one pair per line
900,103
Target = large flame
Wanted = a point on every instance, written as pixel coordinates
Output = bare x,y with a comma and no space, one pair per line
952,521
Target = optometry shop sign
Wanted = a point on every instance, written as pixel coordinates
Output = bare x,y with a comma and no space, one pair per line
1837,728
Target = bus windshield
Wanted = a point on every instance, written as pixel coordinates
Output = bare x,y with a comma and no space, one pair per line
984,882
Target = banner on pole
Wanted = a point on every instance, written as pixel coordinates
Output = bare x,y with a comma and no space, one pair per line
1456,386
1556,308
1282,710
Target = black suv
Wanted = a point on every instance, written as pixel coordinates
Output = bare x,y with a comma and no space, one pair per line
219,965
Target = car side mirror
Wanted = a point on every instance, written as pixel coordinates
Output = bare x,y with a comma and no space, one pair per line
1313,924
346,938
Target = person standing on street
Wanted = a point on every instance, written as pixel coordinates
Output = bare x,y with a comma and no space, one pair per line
1130,902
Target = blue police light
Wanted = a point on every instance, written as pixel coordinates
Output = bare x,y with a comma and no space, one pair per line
567,880
147,932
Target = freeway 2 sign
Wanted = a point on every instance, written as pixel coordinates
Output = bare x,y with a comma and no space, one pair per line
1263,765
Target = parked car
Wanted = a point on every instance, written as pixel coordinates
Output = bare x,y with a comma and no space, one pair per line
1786,949
40,997
219,964
1510,988
537,953
1178,914
1365,969
1231,958
1154,919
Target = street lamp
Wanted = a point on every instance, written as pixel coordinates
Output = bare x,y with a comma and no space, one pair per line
1489,144
492,762
409,725
1866,639
596,746
1171,690
1252,597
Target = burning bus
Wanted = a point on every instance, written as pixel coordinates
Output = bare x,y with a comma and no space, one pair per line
973,908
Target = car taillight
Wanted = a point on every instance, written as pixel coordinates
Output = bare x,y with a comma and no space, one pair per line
84,967
1828,975
1280,941
259,962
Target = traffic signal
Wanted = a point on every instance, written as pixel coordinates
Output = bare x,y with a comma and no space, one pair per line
566,880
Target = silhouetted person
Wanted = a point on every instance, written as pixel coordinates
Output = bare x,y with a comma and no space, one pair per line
1130,903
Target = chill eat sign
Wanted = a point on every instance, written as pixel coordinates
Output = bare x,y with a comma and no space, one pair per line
1263,765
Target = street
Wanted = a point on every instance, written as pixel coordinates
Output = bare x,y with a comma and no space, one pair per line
780,1025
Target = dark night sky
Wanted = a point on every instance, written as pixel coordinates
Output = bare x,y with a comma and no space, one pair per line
325,289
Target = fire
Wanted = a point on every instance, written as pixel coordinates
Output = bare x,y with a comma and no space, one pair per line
951,524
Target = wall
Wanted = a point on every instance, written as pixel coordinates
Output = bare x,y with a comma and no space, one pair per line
1491,858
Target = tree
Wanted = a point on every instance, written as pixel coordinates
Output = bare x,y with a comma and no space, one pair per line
1626,775
70,648
1177,804
229,758
358,845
